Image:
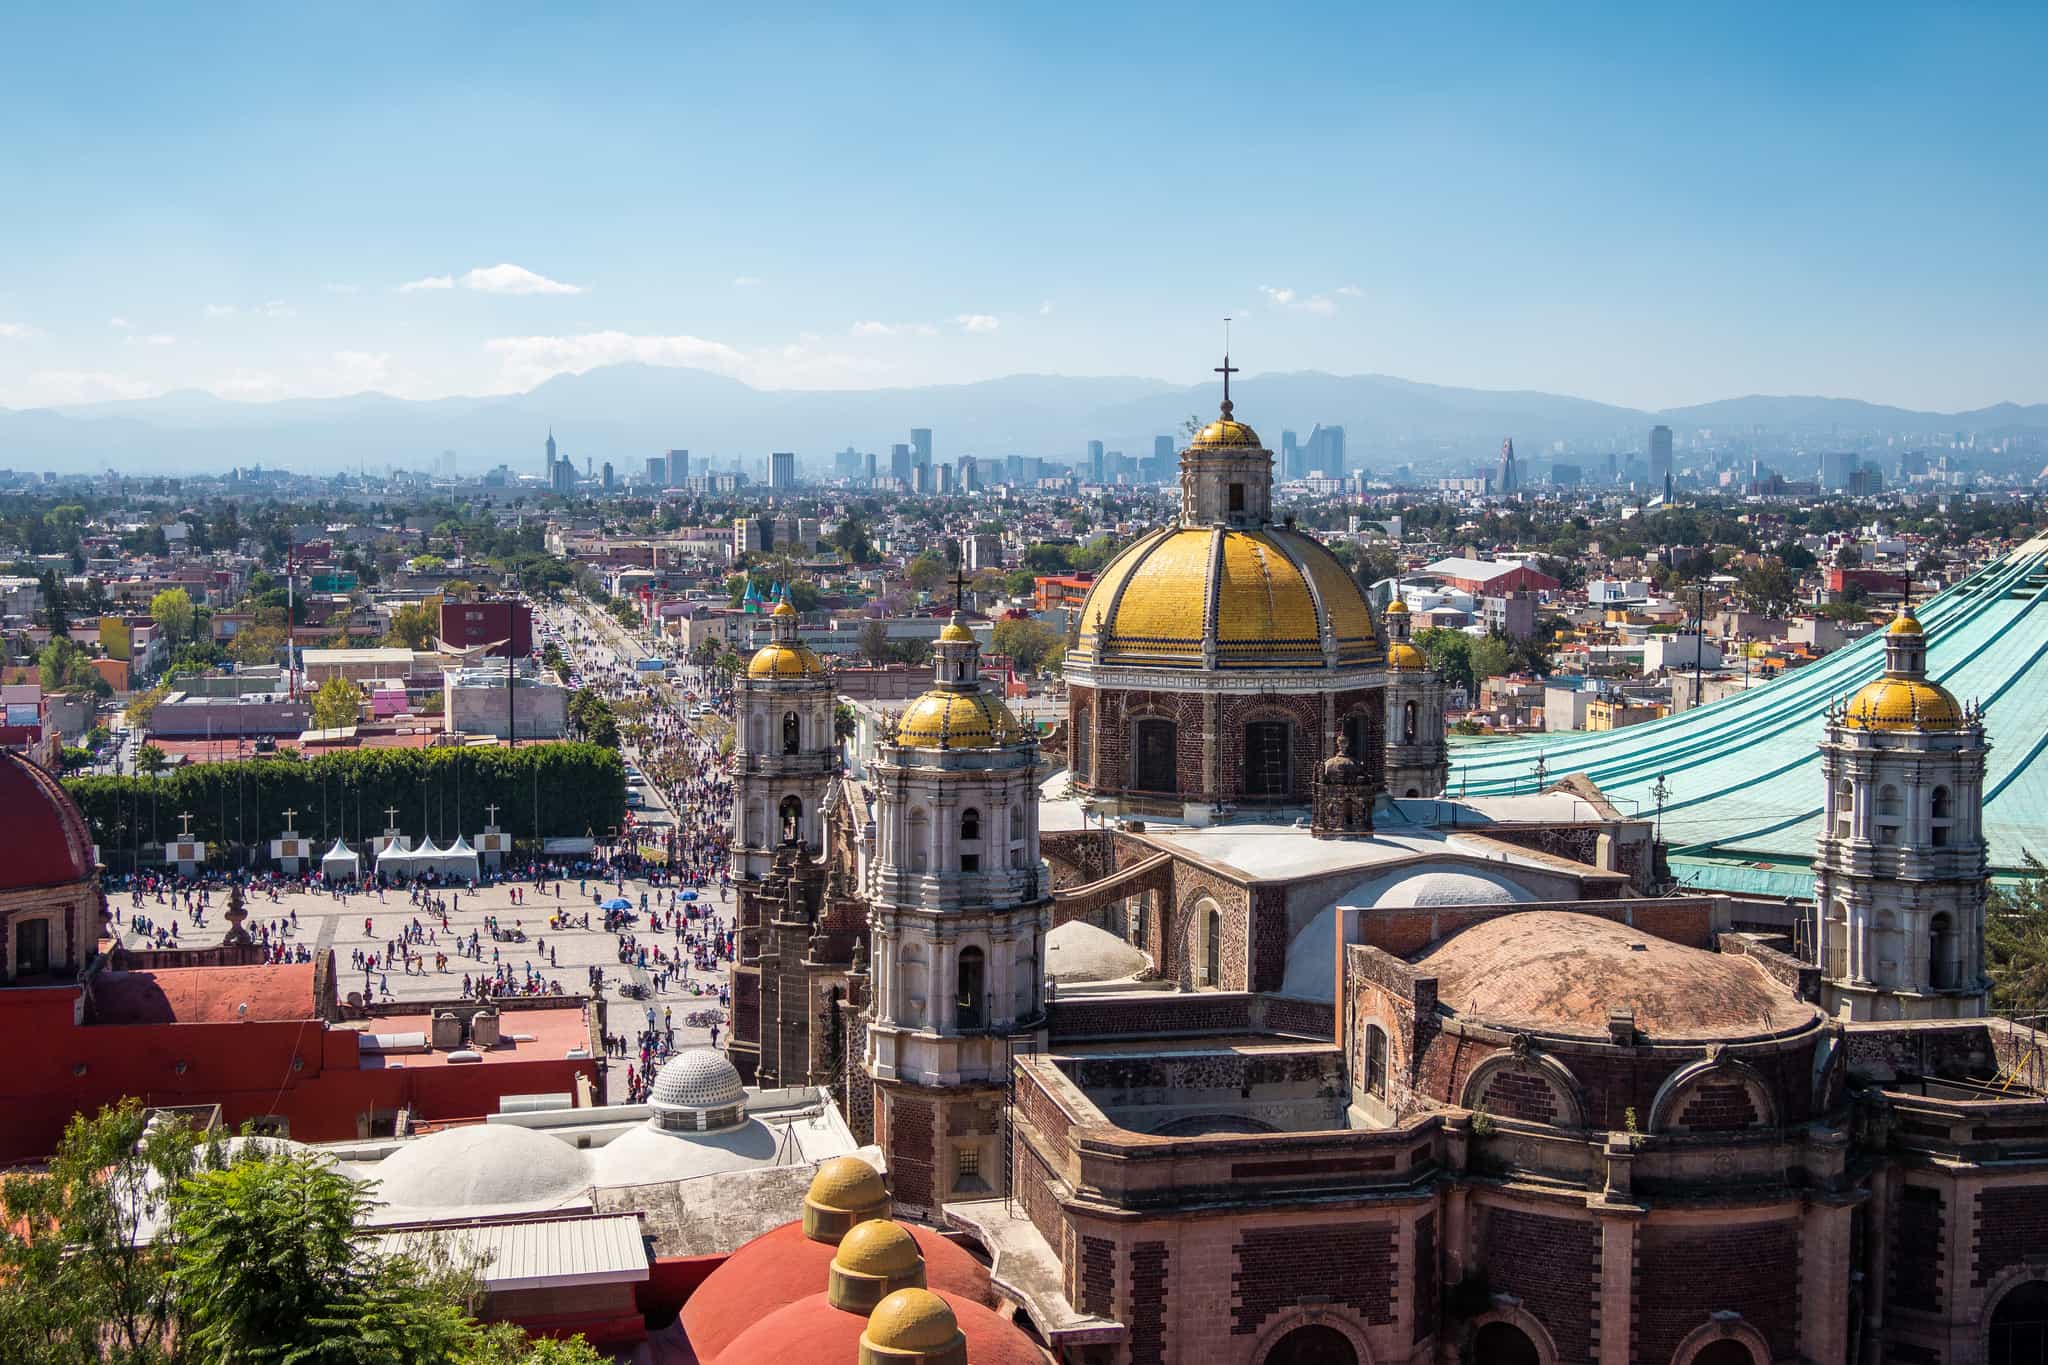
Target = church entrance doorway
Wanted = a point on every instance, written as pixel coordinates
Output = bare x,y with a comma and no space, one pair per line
1158,765
2019,1326
1729,1352
1503,1343
1313,1344
1268,759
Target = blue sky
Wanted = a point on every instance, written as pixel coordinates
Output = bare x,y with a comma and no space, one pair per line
1650,209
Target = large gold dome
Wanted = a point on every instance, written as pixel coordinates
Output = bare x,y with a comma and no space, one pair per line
1251,599
949,719
1903,704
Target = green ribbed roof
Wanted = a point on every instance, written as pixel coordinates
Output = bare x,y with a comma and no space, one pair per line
1744,772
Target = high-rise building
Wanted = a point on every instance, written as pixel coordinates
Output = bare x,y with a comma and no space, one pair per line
678,468
562,476
867,466
1161,468
921,478
752,536
1290,456
1094,473
970,474
551,454
846,464
921,445
1660,456
608,483
899,463
1836,468
657,470
1325,452
782,469
1509,481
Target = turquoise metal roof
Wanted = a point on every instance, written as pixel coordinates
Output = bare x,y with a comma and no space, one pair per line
1744,773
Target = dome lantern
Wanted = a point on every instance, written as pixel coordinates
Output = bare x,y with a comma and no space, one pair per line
698,1091
1226,475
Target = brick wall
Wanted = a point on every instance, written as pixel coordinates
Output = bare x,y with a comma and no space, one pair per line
1098,1276
1684,1274
1423,1277
1519,1094
1032,1184
1919,1248
2012,1225
1117,710
1718,1107
908,1137
1347,1263
1148,1303
1551,1265
1194,1012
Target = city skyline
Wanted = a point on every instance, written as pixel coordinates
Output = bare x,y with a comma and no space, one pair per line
308,204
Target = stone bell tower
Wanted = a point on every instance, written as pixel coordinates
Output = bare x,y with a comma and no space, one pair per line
784,752
1418,756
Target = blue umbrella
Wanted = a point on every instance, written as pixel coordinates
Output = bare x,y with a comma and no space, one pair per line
689,895
618,903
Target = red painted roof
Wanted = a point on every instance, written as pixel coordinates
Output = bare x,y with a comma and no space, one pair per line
43,838
811,1329
782,1266
205,995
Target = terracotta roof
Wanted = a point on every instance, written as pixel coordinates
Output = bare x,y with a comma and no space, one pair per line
813,1330
1554,971
43,839
205,995
782,1266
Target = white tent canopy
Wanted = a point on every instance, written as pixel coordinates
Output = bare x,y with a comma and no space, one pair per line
340,863
457,862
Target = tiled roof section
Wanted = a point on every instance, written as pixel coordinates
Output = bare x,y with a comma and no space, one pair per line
205,995
43,838
1554,971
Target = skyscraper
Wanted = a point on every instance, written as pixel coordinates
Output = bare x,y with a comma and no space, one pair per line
899,463
678,468
551,454
1162,460
1660,456
1290,455
782,469
608,484
1509,481
921,445
657,470
1325,454
867,466
1095,462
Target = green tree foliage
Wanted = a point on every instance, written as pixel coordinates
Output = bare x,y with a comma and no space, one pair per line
2016,944
338,703
925,572
1450,653
577,788
874,640
1491,658
54,614
594,718
64,667
414,626
151,761
851,538
1028,643
173,611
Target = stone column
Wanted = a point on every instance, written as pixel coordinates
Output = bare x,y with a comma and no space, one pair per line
1824,1282
1617,1287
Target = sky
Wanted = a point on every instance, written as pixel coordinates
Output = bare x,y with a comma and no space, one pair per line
1649,209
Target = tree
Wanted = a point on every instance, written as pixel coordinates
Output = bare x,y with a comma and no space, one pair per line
594,718
151,761
874,640
337,704
53,605
173,611
63,667
414,626
78,1281
925,572
1026,641
269,1269
1449,653
427,564
1491,658
256,644
2016,944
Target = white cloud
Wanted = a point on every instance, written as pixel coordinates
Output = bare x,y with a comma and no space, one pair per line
893,329
512,279
1045,309
1349,291
220,310
978,322
85,386
530,360
278,308
152,339
120,324
355,371
1283,297
1319,304
16,331
430,282
745,281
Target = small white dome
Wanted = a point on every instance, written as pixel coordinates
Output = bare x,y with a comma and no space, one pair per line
698,1079
1079,951
1428,889
481,1164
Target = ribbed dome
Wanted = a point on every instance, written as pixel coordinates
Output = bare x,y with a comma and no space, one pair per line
697,1079
942,719
912,1320
1225,433
847,1184
1903,704
1231,599
1406,658
878,1247
43,838
785,661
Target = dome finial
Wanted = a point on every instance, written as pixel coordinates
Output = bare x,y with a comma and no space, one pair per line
1226,369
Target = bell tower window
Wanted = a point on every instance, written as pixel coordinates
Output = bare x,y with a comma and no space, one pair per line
1237,499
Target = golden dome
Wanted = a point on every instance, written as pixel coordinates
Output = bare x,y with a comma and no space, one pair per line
783,608
1397,607
1406,658
846,1184
1249,599
1903,704
779,660
878,1247
956,634
1905,624
957,720
912,1320
1225,432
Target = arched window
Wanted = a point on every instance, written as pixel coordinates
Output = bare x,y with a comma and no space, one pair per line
1408,713
1837,935
970,823
1888,800
1503,1343
919,835
1845,808
1376,1061
1084,749
1153,743
791,812
2019,1325
1212,948
1943,809
1727,1351
1941,803
792,733
1942,969
1313,1343
970,1007
1016,822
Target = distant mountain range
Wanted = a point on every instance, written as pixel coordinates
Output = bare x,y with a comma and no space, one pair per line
625,413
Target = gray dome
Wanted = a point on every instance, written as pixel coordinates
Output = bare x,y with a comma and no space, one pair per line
1425,889
699,1091
481,1164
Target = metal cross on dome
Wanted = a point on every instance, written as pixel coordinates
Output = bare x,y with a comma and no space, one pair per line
1226,369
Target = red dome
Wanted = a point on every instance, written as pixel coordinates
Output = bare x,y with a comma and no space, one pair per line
43,838
782,1265
813,1330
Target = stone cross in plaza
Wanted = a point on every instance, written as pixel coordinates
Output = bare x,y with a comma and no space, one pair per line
289,814
391,816
492,812
185,817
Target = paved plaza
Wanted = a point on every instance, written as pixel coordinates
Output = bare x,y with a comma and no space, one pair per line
562,955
